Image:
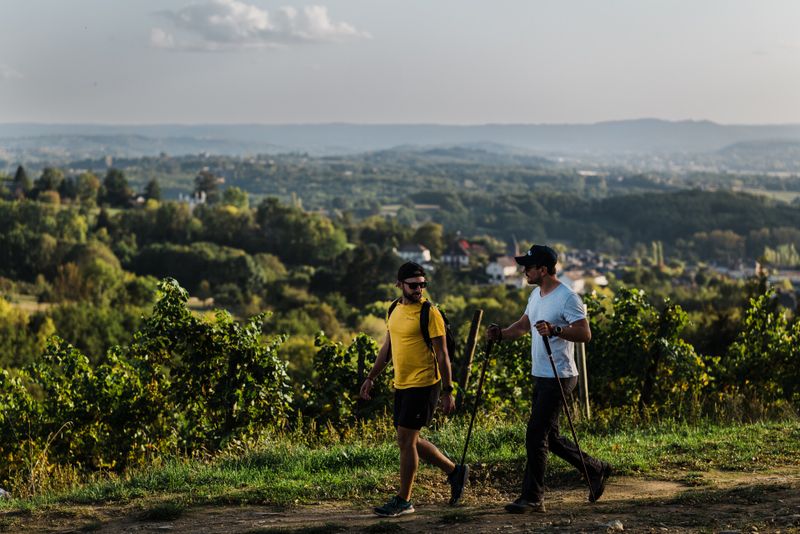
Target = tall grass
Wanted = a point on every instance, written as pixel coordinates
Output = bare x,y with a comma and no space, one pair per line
360,463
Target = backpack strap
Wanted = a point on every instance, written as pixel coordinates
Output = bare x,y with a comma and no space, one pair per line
424,318
392,306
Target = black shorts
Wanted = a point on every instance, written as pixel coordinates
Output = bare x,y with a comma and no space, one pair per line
414,407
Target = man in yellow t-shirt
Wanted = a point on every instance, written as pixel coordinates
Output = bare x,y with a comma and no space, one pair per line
421,372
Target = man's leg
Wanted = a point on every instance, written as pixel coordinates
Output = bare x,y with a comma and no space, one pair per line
544,416
431,454
566,449
407,439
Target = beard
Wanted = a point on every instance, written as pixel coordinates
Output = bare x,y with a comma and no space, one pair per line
412,296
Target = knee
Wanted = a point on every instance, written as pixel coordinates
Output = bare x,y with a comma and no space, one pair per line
406,440
537,438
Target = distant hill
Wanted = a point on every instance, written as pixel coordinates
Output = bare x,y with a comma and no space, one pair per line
644,136
768,155
484,154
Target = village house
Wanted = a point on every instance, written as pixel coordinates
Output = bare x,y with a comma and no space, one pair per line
414,252
457,255
504,270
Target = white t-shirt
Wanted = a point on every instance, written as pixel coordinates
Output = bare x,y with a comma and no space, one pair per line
561,307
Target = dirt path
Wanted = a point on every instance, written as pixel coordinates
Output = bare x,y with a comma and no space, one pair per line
715,502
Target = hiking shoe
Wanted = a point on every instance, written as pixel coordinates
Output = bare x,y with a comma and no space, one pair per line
457,480
598,483
396,506
523,506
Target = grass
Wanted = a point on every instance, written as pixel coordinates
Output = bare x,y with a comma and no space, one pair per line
290,470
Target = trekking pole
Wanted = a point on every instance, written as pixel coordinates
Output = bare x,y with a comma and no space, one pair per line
489,347
569,417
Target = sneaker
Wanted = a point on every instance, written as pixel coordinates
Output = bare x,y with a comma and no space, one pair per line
523,506
396,506
598,483
457,480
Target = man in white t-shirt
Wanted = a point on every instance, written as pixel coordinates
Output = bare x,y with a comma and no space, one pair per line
553,310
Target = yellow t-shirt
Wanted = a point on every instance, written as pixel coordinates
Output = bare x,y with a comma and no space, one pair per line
414,364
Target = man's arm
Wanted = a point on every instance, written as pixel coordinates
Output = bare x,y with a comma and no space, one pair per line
440,350
380,364
578,331
518,329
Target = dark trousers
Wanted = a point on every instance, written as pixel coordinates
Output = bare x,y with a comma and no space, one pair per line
542,435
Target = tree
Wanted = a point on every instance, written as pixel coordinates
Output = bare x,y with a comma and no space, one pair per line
116,191
234,196
21,185
206,182
87,185
431,235
50,180
296,236
152,190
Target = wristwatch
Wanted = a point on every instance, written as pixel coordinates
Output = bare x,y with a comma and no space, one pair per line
557,331
448,389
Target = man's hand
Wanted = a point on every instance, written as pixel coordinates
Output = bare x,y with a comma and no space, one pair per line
544,328
494,332
366,387
448,403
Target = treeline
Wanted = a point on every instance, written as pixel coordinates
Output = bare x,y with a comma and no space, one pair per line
609,213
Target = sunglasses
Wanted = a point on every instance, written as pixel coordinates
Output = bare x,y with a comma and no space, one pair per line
415,285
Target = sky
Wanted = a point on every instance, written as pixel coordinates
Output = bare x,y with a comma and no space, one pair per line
409,61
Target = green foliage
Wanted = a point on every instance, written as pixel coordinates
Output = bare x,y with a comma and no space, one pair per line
152,190
22,337
87,186
50,180
21,185
224,380
784,255
191,264
206,182
236,197
296,236
764,361
508,383
637,356
339,371
115,190
183,382
94,329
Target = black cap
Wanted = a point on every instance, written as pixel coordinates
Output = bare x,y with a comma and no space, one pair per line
410,270
540,255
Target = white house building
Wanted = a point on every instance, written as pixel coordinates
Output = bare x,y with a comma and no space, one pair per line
503,270
414,252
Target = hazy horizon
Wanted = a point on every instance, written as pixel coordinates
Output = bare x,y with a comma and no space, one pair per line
346,123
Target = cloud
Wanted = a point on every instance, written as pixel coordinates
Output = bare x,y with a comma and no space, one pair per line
9,73
219,25
161,39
